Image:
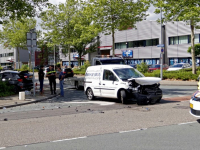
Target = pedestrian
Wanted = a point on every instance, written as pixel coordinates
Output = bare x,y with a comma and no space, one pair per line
51,74
41,78
61,79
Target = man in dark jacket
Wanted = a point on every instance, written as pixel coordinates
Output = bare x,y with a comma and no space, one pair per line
51,74
41,78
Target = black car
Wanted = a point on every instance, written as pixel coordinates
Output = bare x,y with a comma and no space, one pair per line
68,72
7,68
37,67
20,80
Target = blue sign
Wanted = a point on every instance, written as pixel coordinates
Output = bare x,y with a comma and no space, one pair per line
161,45
127,53
162,50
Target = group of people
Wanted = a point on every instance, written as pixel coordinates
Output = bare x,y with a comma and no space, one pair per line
51,74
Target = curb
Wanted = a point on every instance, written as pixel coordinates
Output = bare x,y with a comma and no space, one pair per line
26,103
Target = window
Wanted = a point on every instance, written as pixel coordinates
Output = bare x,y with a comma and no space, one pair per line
183,39
171,41
117,45
98,63
148,42
109,76
196,38
123,45
155,42
130,44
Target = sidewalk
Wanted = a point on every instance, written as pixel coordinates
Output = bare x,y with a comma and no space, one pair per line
12,101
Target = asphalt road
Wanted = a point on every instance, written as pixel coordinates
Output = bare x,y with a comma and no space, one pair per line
75,116
172,137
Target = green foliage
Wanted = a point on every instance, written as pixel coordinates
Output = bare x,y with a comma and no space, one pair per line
24,67
5,89
196,49
184,74
1,68
181,10
82,69
17,9
115,15
143,67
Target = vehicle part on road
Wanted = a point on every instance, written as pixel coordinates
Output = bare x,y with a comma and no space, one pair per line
90,94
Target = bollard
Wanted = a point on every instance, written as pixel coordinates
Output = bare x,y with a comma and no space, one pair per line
21,95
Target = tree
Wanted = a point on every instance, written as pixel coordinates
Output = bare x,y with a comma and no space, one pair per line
69,26
114,15
58,21
196,49
14,32
181,10
15,9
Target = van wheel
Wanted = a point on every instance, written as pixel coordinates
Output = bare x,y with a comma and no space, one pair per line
123,97
90,94
76,85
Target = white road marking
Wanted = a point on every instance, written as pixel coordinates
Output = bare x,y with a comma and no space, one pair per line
70,139
187,123
132,130
94,102
2,147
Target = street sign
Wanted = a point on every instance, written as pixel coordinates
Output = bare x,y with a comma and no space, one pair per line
161,45
162,50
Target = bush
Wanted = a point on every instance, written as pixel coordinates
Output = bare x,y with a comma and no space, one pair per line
6,89
143,67
183,74
82,69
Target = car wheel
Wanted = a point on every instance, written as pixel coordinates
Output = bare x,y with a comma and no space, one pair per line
158,101
76,85
90,94
123,96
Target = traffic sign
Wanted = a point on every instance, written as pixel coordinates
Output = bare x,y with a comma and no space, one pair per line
161,45
162,50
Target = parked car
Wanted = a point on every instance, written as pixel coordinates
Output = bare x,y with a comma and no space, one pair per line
68,72
178,66
7,68
157,67
37,67
20,80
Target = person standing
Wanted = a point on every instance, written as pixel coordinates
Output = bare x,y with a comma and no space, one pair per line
61,79
51,74
41,78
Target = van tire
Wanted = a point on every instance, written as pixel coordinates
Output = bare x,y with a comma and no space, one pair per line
76,85
123,96
90,94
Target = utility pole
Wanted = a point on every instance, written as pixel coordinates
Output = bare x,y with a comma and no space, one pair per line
162,47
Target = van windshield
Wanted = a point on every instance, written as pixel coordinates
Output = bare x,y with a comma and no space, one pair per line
127,73
112,61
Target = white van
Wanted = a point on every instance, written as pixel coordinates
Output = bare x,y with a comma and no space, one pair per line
121,82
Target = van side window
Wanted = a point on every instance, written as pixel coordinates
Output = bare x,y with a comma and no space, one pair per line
109,76
98,63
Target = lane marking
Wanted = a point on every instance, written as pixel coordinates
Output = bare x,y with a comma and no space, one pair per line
132,130
186,123
70,139
2,147
93,102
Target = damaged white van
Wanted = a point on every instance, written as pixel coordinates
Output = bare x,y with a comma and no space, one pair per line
121,82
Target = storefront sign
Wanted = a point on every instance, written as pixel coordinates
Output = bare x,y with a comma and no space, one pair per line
127,53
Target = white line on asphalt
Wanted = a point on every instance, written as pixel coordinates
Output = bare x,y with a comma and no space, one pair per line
132,130
187,123
2,147
70,139
94,102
